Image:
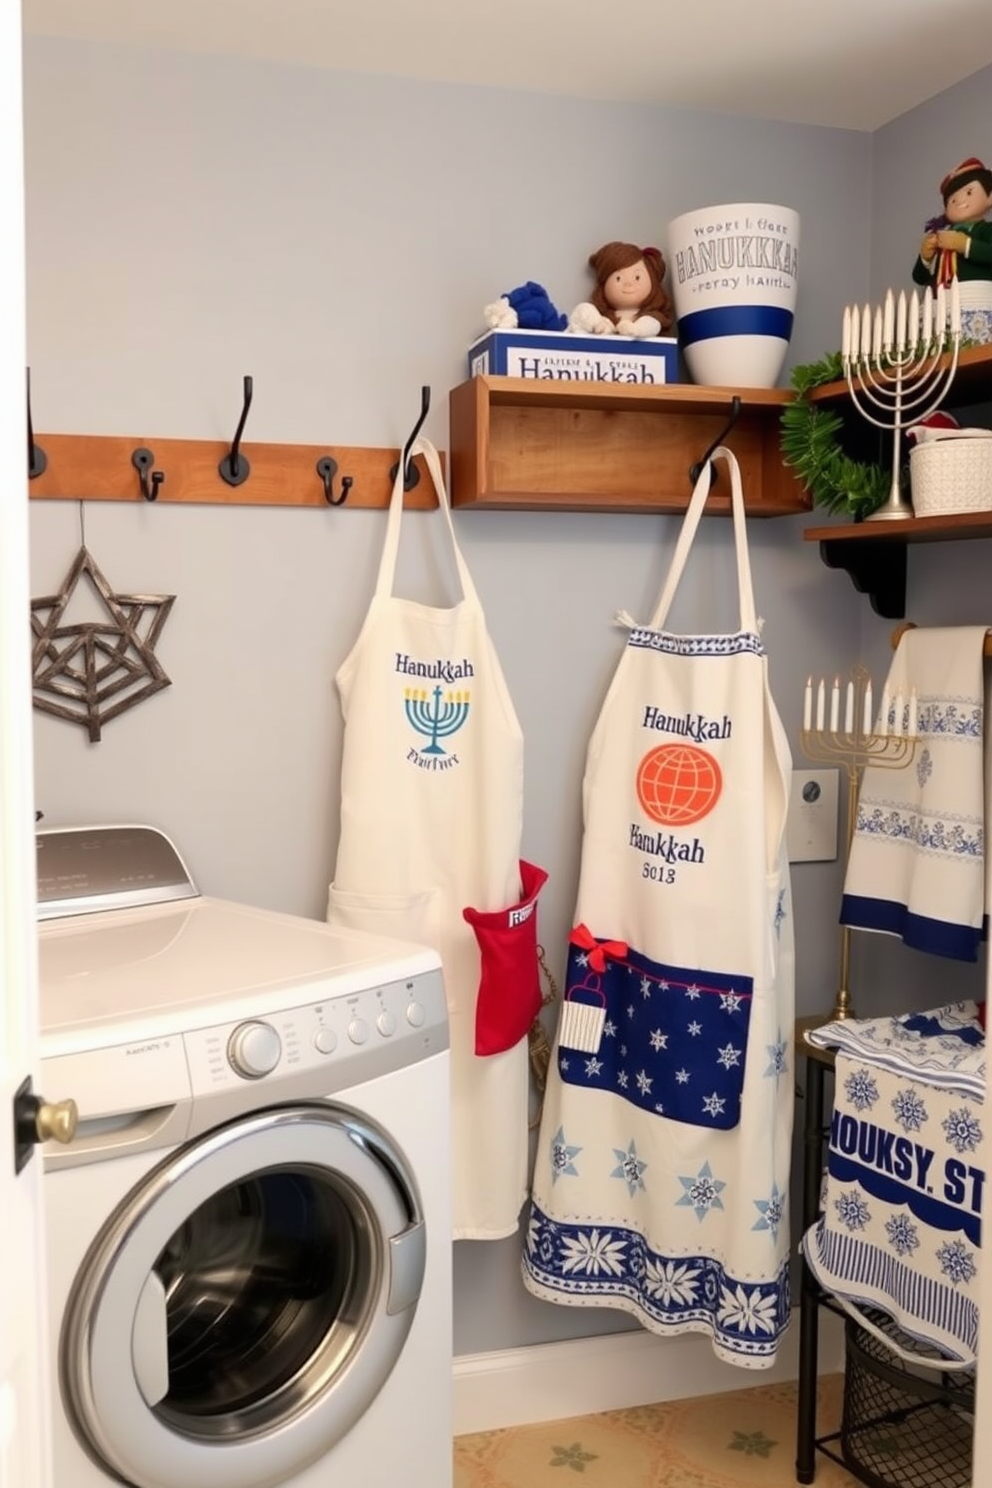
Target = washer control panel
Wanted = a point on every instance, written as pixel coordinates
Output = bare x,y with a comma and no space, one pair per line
342,1039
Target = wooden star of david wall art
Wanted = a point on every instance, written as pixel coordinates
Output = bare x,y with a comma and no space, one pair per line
94,671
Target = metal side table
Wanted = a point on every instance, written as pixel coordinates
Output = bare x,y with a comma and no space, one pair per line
818,1062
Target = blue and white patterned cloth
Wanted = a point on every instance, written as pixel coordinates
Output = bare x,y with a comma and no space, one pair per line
976,325
944,1048
917,862
706,645
900,1227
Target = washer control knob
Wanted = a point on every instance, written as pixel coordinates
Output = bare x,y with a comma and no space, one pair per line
254,1050
325,1040
358,1030
415,1014
386,1023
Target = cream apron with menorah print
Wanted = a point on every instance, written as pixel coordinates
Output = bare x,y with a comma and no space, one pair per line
431,818
662,1171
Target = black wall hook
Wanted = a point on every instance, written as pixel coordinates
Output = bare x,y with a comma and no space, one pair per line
150,480
37,459
697,469
234,467
327,469
411,475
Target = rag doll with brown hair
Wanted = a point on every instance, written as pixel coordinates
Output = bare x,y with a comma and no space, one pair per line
629,298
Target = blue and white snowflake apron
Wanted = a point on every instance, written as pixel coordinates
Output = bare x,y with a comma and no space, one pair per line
662,1171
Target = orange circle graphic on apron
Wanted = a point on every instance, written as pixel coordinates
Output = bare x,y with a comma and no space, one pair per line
678,784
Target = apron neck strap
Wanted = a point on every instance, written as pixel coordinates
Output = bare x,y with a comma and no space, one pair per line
390,548
748,616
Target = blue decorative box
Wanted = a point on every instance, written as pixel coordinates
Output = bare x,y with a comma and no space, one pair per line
563,357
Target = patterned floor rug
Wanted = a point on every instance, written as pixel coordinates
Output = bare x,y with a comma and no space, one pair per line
746,1439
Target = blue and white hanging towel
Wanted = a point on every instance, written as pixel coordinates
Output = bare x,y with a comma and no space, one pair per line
917,863
944,1047
900,1225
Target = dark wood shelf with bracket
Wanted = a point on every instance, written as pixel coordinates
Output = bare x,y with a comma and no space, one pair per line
874,554
519,444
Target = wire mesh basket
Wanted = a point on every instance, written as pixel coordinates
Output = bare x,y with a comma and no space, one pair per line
904,1426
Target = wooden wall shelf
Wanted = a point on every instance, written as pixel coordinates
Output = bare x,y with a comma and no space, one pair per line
874,553
95,467
525,445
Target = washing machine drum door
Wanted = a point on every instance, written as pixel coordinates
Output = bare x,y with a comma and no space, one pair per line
243,1307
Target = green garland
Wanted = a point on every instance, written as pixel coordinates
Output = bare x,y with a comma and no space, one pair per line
810,444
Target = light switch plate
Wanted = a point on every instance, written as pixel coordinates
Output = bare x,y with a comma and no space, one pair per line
811,829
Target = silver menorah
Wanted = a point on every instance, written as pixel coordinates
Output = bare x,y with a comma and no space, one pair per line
892,361
437,719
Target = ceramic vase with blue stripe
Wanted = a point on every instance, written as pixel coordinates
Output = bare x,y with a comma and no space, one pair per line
732,271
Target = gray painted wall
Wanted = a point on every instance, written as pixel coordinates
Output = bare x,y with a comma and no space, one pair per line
910,157
948,583
191,219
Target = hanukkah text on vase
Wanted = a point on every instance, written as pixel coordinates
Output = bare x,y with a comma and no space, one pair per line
762,257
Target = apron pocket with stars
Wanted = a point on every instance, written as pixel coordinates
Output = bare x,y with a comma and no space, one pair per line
509,985
674,1041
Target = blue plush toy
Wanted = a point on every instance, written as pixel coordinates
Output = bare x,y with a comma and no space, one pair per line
526,307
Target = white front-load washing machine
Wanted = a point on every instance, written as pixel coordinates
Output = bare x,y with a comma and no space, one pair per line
250,1233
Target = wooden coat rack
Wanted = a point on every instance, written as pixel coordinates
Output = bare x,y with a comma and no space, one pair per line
96,467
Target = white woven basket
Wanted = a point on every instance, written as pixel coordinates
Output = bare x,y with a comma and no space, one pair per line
951,475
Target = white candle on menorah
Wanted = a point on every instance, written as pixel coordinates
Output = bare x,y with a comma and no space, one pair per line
892,363
888,742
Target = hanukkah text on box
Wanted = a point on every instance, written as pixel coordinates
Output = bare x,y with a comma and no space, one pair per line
584,367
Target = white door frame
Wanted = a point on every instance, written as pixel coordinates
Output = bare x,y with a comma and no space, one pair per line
24,1373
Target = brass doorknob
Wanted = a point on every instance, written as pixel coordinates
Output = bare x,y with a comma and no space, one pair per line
37,1120
56,1121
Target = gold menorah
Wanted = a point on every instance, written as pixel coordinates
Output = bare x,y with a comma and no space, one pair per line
888,743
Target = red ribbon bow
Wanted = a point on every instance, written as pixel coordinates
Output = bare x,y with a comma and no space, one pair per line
583,937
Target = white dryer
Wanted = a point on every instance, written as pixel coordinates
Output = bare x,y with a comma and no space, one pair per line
249,1252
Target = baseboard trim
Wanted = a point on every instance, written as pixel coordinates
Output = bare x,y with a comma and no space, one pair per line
613,1371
